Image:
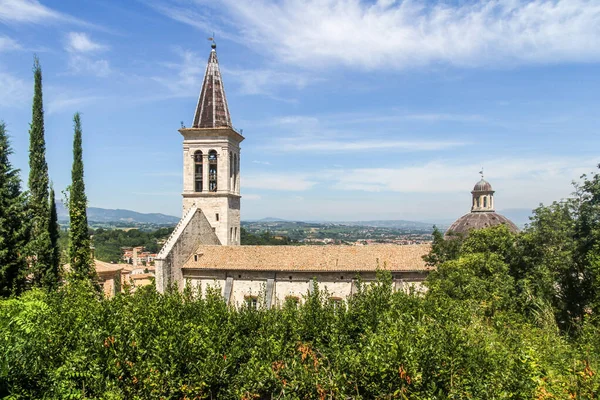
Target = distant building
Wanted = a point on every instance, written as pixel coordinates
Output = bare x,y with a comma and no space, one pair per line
482,213
137,256
205,250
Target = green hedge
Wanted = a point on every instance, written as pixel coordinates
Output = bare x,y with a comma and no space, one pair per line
73,344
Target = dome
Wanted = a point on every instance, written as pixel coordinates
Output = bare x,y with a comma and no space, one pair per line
483,186
479,220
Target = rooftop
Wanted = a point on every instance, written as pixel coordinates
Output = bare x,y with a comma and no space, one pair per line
310,258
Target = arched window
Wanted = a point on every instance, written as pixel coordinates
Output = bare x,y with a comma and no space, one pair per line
212,171
477,201
198,171
485,201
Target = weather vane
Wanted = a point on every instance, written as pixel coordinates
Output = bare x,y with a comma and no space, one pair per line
212,39
481,172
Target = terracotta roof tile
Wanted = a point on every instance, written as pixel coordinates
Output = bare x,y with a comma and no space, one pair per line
310,258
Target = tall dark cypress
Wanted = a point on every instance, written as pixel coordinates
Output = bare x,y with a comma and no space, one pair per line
40,247
13,232
54,230
79,247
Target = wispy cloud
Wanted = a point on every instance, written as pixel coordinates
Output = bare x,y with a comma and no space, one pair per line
272,181
83,65
267,81
261,162
527,176
185,77
8,44
80,42
197,19
66,102
15,91
350,145
398,34
82,55
33,12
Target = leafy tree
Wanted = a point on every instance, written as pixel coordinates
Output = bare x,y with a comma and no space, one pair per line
54,230
79,247
587,234
443,250
40,247
13,232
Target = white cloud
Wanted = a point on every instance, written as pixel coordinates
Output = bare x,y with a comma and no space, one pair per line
267,81
397,34
26,11
261,162
284,182
84,65
15,91
350,145
80,42
68,102
33,12
8,44
185,77
524,176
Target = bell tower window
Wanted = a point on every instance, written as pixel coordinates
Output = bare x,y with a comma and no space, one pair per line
212,171
198,171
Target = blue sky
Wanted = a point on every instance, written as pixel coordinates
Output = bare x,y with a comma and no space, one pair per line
351,109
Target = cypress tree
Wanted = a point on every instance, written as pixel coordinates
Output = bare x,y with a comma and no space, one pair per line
40,247
79,248
54,230
13,233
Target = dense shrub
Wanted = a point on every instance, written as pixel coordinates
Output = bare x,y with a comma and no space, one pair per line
380,344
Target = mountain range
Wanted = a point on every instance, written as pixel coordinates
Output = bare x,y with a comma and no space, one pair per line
105,215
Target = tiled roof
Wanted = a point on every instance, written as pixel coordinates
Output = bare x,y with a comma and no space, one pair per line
310,258
479,220
212,110
101,267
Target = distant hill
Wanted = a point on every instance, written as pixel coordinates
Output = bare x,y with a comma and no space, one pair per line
105,215
392,224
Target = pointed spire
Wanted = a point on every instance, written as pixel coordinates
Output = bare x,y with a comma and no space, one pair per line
212,110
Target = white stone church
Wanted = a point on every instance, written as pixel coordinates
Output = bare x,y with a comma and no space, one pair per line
205,247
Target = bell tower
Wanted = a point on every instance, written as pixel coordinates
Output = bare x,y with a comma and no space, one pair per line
211,158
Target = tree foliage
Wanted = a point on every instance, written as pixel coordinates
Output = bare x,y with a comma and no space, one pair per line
54,230
79,238
40,249
108,243
378,344
13,232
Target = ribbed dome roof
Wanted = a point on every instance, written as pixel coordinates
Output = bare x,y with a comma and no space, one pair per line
479,220
483,186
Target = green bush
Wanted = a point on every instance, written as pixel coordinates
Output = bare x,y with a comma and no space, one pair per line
380,344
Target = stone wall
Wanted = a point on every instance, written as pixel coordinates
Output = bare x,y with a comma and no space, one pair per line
193,231
238,286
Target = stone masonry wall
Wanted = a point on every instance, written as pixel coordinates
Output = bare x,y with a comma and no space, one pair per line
198,231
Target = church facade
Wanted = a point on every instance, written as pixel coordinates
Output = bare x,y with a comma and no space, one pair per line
205,249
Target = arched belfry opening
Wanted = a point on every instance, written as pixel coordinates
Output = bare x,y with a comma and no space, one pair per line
212,171
198,171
